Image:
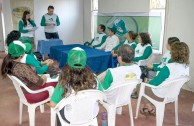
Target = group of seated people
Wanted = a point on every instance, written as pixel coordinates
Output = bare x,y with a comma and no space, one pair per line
77,76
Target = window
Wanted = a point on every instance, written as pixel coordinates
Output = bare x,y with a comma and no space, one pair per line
157,4
94,12
94,5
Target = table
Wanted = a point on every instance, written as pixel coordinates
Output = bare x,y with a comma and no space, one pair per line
44,45
97,60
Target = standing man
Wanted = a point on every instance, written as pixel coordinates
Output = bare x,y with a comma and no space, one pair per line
50,21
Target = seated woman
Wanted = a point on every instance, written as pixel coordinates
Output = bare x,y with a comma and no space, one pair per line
76,76
131,36
166,58
30,59
178,67
142,53
11,65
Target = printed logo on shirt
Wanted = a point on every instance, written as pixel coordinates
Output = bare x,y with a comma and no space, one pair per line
137,51
96,38
50,19
130,76
164,59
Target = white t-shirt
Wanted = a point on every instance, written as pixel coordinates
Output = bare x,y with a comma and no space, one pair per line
176,70
110,43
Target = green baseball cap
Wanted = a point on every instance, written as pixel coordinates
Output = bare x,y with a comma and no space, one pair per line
17,48
77,58
113,29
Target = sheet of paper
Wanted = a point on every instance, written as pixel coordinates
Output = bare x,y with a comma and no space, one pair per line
34,28
49,79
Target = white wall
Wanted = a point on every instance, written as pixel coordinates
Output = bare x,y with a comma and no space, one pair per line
70,13
1,29
7,16
111,6
180,23
87,20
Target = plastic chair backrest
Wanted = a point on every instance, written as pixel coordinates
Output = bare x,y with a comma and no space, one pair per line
18,84
82,106
173,87
120,93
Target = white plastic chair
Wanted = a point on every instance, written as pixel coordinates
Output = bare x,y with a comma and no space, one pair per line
173,89
82,105
117,96
31,107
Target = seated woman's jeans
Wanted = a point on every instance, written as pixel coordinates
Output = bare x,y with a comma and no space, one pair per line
144,72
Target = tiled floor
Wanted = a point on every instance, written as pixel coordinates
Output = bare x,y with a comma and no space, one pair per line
9,110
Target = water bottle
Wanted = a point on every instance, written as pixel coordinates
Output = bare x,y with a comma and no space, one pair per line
104,119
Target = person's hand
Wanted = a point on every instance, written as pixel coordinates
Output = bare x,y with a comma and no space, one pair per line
113,53
50,62
44,78
49,24
30,30
150,66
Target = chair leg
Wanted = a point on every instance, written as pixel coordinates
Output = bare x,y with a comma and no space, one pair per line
95,122
53,117
31,112
111,110
111,116
176,112
193,108
21,110
131,113
138,104
119,110
42,108
160,114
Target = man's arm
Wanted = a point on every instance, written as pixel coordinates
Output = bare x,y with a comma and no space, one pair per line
58,22
102,42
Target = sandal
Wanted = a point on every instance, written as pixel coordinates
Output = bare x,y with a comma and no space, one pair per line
147,112
152,112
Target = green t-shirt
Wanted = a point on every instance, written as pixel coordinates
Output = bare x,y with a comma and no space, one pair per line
31,60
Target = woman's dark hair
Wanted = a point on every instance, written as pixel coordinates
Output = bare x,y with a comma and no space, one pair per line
180,53
76,79
132,35
102,27
126,52
13,35
50,7
7,65
145,37
172,40
24,18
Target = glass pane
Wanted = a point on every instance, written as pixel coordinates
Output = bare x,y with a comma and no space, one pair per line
157,4
95,5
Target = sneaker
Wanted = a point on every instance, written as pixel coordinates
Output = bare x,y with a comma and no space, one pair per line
134,95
